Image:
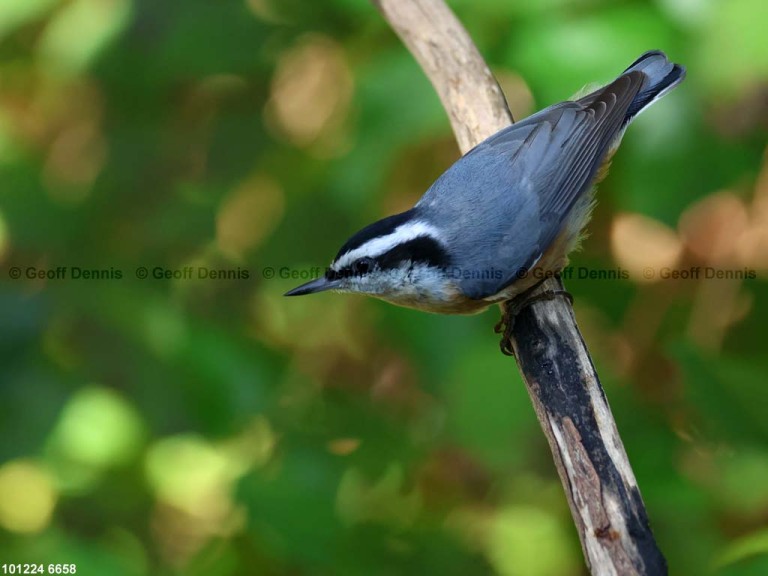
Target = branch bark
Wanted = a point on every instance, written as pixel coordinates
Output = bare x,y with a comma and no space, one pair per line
569,401
470,94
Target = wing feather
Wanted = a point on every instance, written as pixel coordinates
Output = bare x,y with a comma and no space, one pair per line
520,184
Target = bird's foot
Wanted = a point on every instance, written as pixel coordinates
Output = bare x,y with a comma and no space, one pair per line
511,308
504,326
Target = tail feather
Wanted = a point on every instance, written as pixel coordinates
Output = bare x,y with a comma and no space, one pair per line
661,76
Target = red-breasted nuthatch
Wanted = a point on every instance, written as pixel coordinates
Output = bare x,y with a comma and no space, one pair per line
507,213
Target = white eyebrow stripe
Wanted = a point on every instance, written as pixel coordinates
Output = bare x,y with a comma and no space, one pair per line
382,244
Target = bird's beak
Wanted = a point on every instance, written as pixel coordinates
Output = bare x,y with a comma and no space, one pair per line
318,285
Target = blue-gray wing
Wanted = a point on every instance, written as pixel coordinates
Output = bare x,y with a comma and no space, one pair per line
508,198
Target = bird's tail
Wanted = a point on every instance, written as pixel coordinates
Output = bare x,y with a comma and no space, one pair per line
661,76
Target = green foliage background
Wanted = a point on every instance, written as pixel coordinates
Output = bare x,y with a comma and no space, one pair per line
199,426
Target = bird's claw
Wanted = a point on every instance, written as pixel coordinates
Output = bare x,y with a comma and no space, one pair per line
510,310
504,326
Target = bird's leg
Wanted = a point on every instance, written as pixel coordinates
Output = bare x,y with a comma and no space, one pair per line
502,326
511,308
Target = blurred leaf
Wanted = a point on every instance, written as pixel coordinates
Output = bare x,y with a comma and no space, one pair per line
751,545
488,409
383,501
16,13
79,30
744,487
527,541
735,55
729,394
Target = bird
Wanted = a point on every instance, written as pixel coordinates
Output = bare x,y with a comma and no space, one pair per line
507,213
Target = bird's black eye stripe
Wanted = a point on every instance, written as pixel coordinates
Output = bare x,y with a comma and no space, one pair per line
362,266
359,267
424,249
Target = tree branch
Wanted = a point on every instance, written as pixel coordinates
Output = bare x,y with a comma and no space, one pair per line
470,94
570,404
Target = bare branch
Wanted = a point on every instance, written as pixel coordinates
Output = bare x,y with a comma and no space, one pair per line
573,411
470,94
570,404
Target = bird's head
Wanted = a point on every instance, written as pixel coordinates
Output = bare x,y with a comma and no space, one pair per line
401,259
